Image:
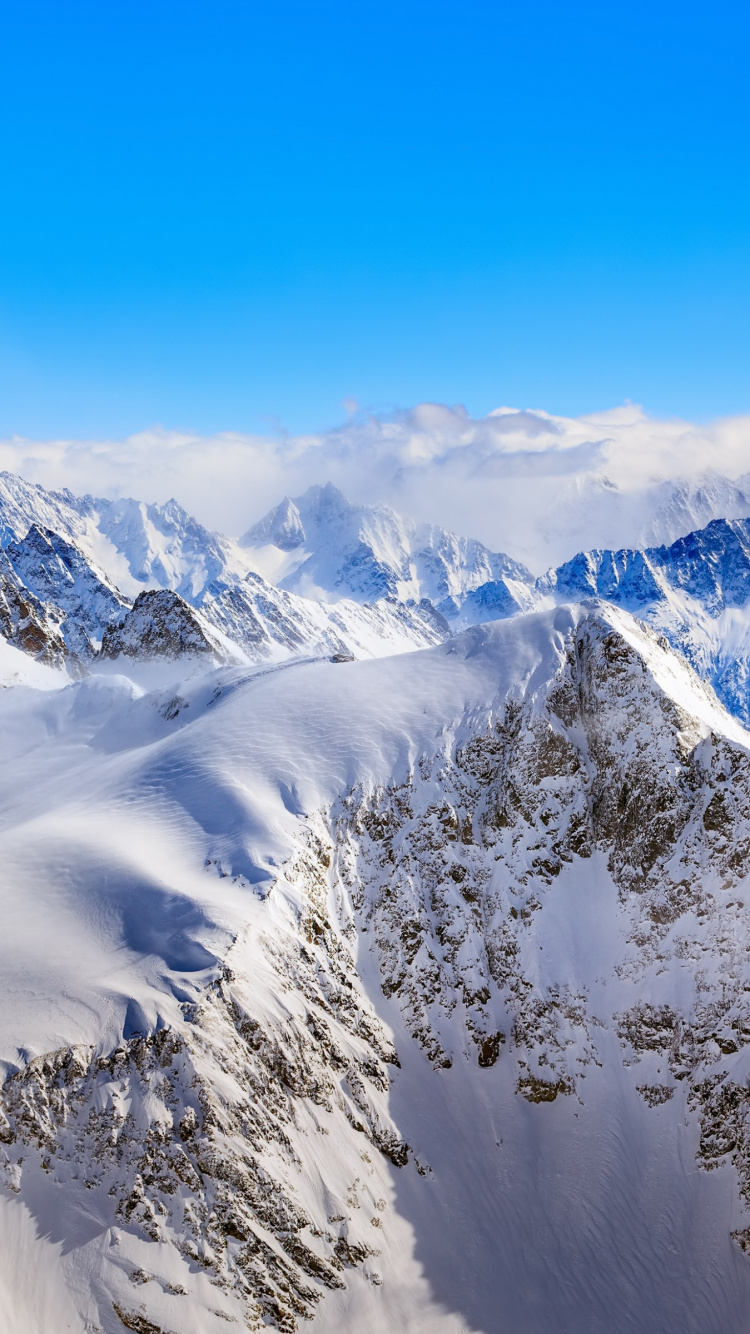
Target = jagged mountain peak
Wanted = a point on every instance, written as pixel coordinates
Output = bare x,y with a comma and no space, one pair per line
282,528
165,547
160,624
322,545
139,545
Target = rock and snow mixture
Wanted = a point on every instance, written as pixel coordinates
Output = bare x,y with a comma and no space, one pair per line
319,576
409,993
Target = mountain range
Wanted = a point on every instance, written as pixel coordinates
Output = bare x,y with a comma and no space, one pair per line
375,949
321,576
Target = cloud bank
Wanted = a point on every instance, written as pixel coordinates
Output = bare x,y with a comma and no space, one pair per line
535,485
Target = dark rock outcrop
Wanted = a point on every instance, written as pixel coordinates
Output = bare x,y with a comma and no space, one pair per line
160,625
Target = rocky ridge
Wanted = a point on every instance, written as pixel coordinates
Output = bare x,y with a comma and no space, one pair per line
197,1139
619,765
696,592
160,624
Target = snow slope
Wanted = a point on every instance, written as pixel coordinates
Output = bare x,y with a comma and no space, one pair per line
406,993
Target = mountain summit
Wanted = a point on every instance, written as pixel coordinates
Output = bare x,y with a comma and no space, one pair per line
323,546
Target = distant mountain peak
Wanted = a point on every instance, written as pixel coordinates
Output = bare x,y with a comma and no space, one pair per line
336,549
282,527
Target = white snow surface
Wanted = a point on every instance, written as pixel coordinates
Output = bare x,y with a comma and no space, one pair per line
18,669
141,833
110,811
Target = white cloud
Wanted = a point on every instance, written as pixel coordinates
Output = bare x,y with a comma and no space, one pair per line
536,485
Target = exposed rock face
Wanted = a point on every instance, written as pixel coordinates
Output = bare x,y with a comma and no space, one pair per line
26,622
199,1140
56,572
160,625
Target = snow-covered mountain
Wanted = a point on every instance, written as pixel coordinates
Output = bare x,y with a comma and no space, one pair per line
322,546
696,592
138,546
407,993
326,548
404,994
367,582
57,601
545,519
344,553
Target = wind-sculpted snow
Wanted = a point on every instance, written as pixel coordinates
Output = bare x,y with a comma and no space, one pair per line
400,994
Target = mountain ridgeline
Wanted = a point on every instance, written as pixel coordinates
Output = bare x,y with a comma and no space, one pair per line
375,950
381,998
319,576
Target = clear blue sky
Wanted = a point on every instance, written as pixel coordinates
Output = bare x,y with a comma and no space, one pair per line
219,215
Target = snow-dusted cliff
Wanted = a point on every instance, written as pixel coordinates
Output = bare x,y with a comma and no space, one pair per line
400,994
696,592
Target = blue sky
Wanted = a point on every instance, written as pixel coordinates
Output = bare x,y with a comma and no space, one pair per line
235,216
